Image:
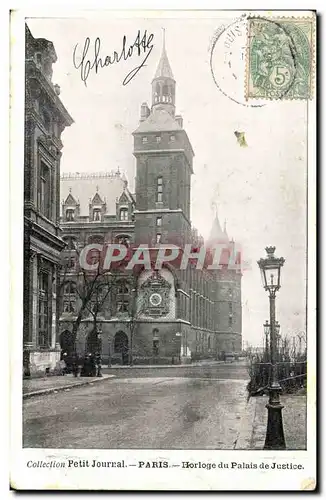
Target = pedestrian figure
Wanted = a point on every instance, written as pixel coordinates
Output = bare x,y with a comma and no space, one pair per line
92,366
89,366
63,364
75,366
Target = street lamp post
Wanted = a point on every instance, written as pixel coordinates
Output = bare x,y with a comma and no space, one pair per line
266,331
270,268
278,340
99,353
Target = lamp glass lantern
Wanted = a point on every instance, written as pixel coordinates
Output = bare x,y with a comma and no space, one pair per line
270,269
266,328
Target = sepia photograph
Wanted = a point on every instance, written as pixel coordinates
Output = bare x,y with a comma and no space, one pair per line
168,196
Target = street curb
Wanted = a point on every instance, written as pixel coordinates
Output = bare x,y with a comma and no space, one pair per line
244,440
61,388
186,365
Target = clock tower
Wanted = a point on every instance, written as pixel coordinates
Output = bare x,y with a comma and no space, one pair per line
164,158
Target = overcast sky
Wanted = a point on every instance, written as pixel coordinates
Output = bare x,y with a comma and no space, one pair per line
260,190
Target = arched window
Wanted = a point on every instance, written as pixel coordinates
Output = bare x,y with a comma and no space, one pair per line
159,190
123,214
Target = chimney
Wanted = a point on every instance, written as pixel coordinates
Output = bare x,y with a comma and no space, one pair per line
179,120
144,111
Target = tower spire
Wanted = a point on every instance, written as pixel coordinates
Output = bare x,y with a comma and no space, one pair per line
163,84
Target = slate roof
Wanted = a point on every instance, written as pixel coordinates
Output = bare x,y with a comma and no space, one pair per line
84,186
158,121
164,68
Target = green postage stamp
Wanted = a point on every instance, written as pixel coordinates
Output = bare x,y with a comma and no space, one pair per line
280,62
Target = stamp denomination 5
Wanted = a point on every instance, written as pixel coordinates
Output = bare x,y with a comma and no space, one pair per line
280,58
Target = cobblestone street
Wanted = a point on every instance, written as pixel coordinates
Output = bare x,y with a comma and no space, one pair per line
149,412
193,407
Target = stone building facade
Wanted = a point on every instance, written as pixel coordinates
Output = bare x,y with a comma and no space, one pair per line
45,120
170,315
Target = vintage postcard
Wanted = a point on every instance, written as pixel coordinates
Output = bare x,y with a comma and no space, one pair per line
163,244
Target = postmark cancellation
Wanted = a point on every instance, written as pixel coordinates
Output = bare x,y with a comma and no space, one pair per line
280,58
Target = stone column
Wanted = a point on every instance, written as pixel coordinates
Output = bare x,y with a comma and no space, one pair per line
53,299
34,301
28,298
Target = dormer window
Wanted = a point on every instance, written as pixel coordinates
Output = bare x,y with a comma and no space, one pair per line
124,214
96,215
70,215
145,139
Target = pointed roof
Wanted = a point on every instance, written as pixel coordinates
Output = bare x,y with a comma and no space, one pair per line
70,200
124,198
109,186
158,121
164,69
97,199
217,234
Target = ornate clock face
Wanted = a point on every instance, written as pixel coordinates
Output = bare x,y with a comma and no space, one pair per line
155,299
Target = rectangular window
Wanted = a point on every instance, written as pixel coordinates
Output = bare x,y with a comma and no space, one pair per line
158,238
159,221
230,320
158,138
43,310
96,215
230,308
70,215
44,191
123,214
172,138
122,307
144,140
159,190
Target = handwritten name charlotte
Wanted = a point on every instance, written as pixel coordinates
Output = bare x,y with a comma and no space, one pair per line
91,60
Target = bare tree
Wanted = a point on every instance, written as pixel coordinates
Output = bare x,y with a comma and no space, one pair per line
91,288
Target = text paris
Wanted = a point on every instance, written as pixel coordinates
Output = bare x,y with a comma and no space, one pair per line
92,60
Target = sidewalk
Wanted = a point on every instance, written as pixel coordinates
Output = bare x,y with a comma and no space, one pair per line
46,385
254,423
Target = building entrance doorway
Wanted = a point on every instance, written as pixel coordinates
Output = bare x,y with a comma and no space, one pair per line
121,346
